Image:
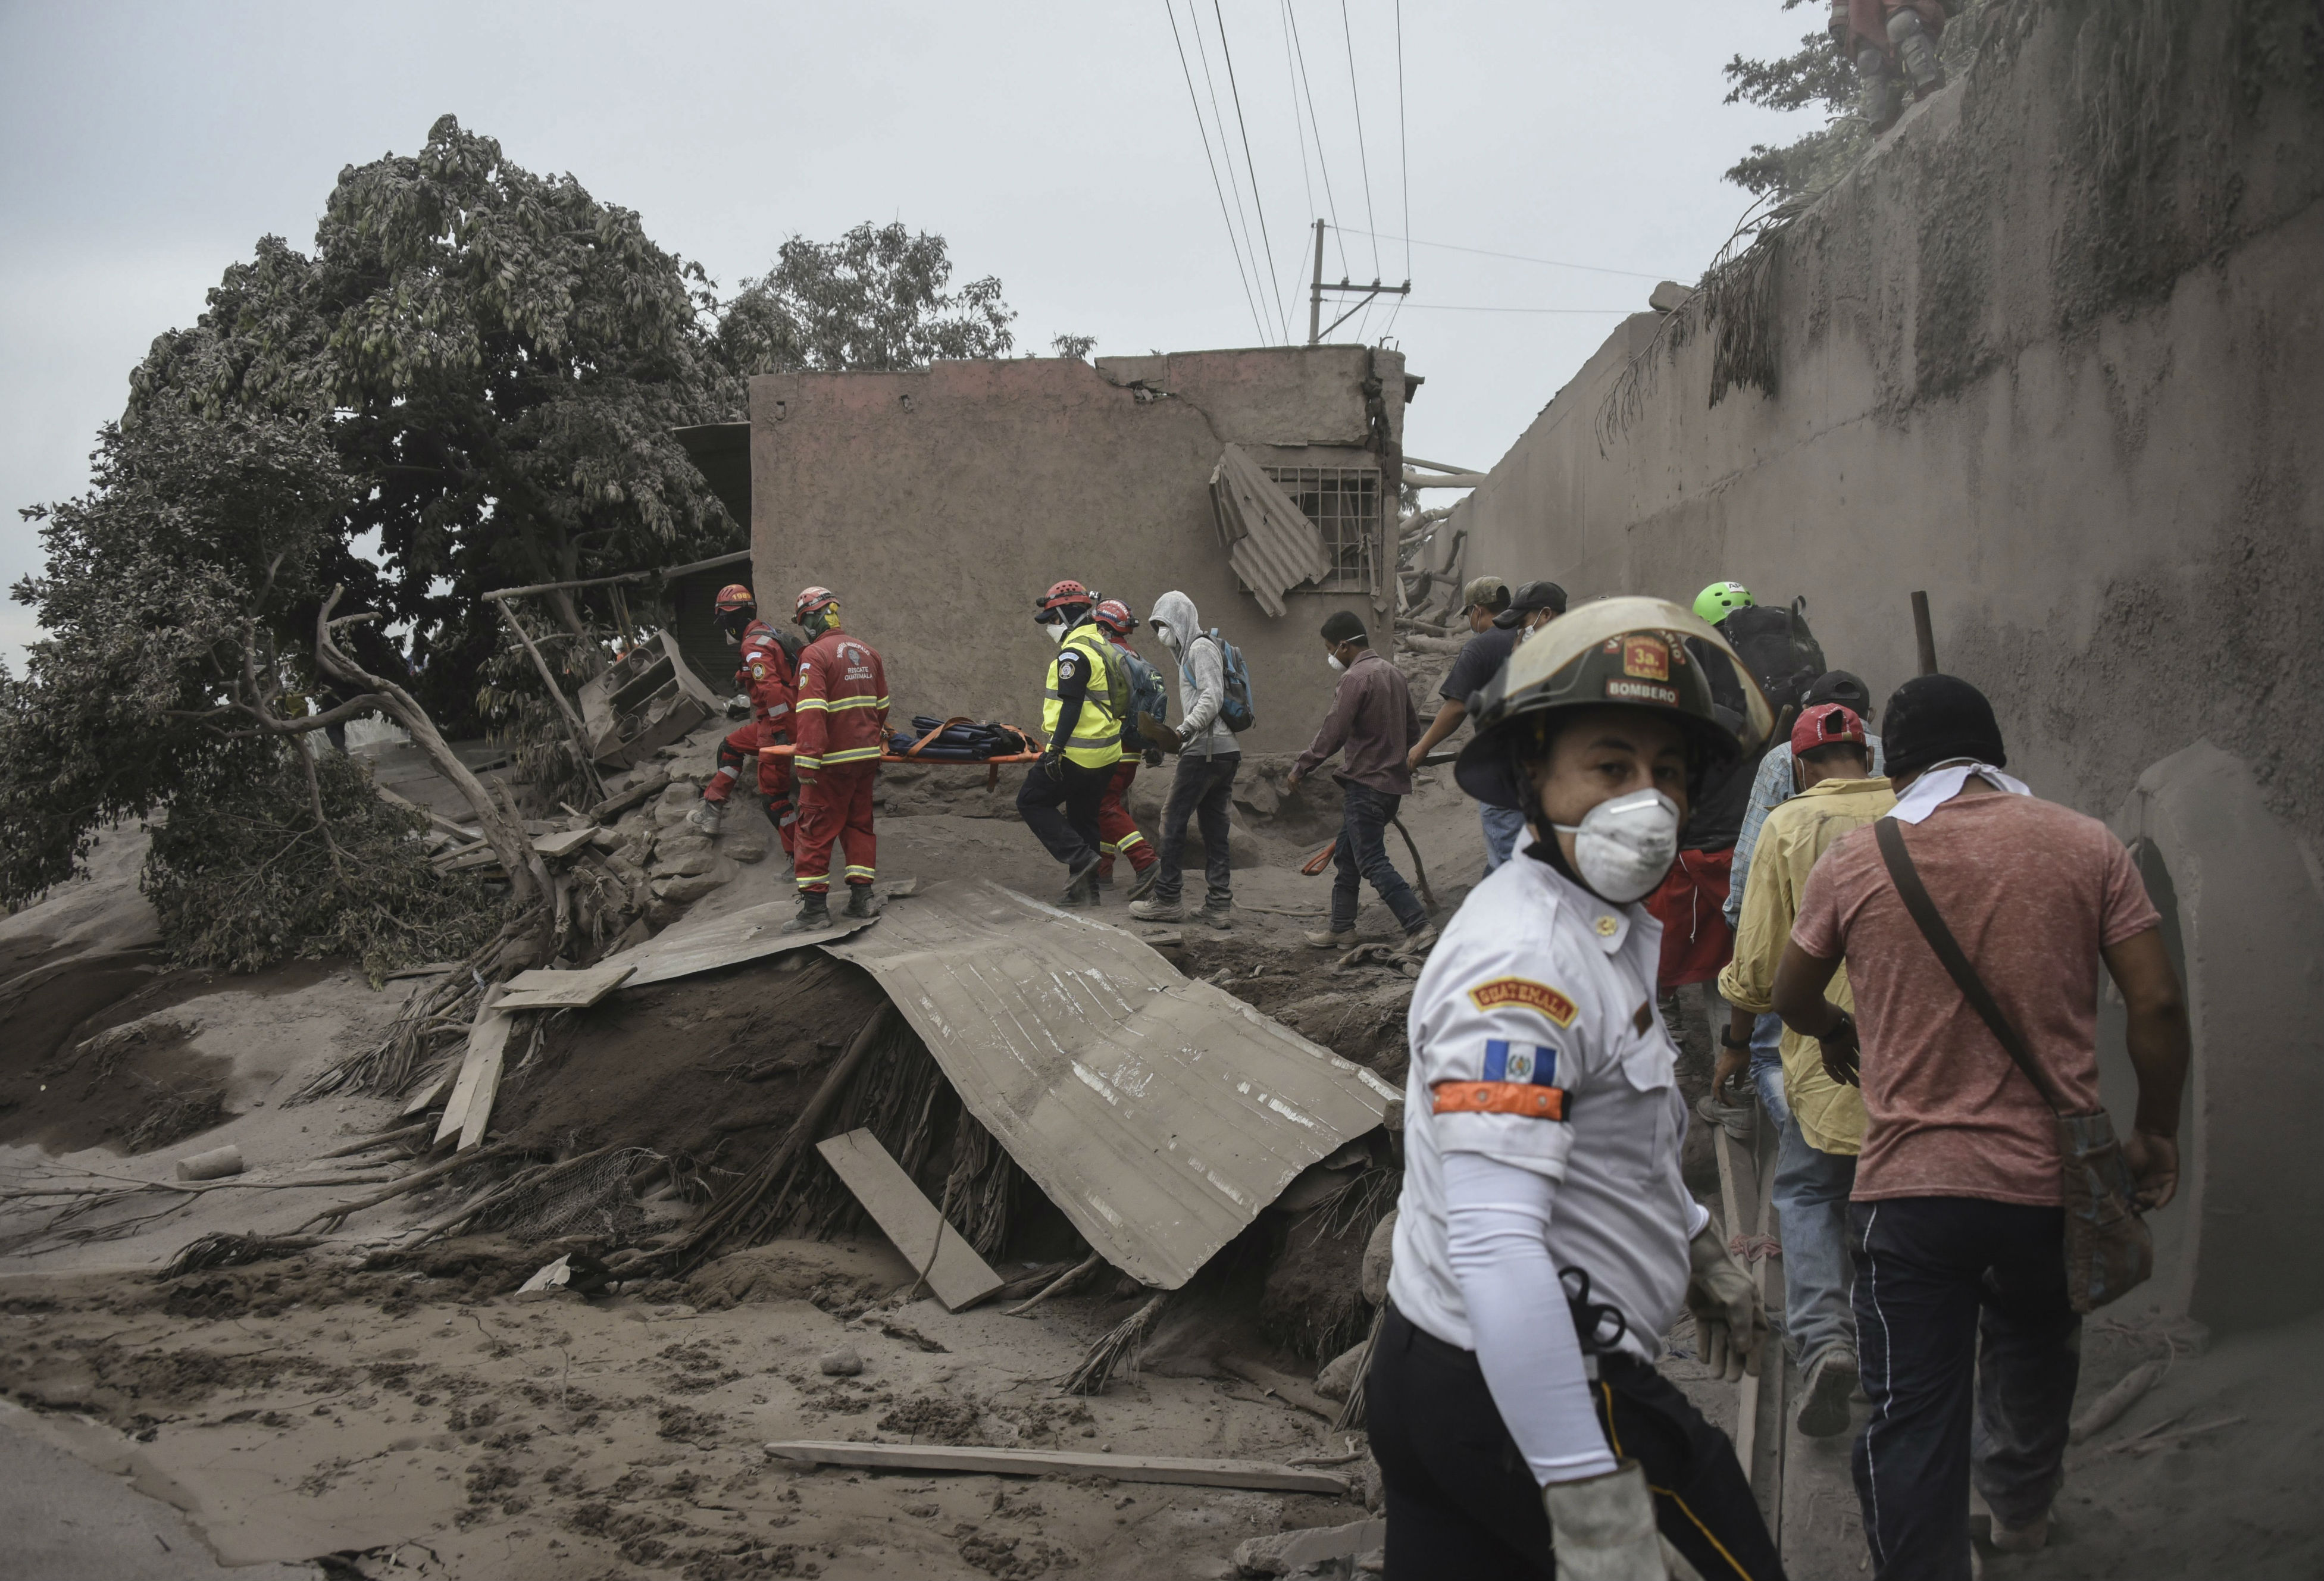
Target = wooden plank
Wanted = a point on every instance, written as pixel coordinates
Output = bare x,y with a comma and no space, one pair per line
487,1088
487,1040
436,1087
565,990
905,1215
1739,1193
564,842
975,1461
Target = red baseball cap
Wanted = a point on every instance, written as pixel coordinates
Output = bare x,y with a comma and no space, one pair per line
1827,724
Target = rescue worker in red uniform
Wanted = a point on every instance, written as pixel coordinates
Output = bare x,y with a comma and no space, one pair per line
841,725
1119,831
763,675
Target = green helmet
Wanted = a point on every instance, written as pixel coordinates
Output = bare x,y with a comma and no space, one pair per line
1625,652
1722,599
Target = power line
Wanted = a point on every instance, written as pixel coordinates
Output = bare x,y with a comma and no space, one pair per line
1298,126
1321,164
1188,72
1211,85
1362,152
1404,171
1266,238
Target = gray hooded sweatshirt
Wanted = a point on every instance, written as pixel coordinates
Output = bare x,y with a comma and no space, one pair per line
1202,674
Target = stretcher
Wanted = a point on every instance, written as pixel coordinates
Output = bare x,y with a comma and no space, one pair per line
991,780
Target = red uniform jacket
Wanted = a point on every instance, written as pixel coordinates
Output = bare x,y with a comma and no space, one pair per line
765,675
842,703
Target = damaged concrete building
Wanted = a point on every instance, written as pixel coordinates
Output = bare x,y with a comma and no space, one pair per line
938,504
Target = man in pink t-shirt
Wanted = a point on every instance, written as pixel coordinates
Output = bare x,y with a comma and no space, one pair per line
1956,1209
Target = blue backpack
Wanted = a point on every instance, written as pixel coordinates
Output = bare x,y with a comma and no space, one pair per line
1234,710
1147,696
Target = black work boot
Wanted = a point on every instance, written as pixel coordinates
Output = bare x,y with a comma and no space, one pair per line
859,901
814,912
1081,886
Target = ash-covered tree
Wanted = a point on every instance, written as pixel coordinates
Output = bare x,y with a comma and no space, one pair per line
503,356
876,300
169,686
1820,75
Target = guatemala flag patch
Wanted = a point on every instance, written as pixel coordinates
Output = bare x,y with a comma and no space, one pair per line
1508,1061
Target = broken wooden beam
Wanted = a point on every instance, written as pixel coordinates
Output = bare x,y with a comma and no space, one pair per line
538,989
479,1082
906,1217
988,1462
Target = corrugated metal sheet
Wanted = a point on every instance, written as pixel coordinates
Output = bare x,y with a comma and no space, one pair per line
1159,1115
1271,543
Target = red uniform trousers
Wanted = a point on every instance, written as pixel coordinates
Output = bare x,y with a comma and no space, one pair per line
836,804
1117,830
775,790
739,745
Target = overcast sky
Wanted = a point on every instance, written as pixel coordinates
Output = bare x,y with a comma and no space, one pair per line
1054,145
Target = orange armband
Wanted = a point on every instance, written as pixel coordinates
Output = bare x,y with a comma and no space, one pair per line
1499,1098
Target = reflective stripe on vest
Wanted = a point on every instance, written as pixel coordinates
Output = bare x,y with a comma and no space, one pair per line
1097,731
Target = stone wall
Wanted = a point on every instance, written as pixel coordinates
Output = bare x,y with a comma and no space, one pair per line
2055,353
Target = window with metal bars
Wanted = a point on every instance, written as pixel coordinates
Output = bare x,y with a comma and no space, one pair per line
1345,504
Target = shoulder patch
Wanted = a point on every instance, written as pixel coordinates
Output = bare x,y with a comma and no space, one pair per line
1525,991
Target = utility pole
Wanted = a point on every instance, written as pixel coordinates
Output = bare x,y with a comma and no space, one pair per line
1315,291
1316,328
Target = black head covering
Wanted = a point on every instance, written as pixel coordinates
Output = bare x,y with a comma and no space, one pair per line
1846,689
1931,718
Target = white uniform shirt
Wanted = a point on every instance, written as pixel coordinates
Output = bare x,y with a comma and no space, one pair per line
1538,987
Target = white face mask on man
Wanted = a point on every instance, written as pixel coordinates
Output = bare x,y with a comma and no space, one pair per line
1624,847
1334,660
1055,630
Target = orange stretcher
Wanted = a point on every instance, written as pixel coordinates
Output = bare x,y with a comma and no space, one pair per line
991,765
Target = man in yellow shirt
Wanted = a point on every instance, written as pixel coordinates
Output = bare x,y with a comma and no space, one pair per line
1815,1162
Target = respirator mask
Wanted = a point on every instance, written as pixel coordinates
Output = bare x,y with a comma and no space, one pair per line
1334,660
1624,847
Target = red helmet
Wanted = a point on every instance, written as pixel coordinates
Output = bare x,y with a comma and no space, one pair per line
735,596
1115,617
1063,595
814,601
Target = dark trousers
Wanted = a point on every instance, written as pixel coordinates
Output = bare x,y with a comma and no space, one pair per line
1203,788
1462,1504
1956,1295
1363,852
1071,834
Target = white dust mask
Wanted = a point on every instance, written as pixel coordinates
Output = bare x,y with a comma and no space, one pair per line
1334,660
1055,630
1624,847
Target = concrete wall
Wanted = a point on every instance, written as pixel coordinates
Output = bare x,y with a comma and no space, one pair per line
2054,354
940,505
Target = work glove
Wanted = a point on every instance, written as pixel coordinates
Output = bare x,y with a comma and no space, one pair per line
1602,1529
1160,735
1729,1325
1052,764
738,707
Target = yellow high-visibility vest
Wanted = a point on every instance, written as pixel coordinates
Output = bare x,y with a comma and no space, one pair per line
1097,731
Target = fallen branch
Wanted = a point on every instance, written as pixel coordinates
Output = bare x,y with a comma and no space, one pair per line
1119,1346
1059,1286
410,1182
384,1139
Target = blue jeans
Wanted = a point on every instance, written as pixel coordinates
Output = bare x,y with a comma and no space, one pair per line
1200,793
1811,1191
1767,1068
1504,827
1362,853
